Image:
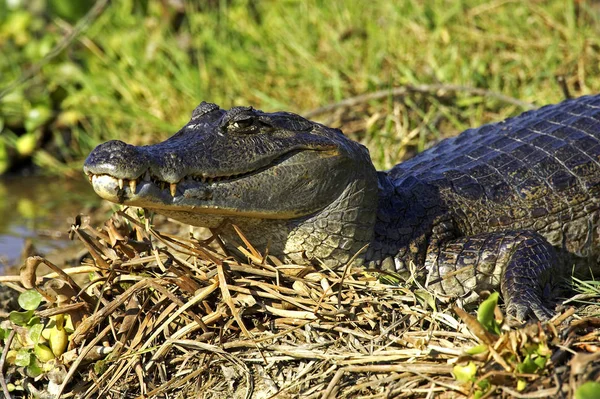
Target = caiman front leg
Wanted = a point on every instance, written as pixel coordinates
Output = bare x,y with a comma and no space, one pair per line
522,263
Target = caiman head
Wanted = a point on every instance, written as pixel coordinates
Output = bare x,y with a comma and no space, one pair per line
295,186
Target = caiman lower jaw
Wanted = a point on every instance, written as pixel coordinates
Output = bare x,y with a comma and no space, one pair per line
149,195
147,178
146,190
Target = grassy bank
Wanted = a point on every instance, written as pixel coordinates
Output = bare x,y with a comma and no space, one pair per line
139,68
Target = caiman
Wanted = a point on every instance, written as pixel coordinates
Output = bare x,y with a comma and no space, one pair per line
511,205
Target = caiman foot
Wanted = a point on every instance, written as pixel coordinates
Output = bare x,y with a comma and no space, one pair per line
521,263
530,279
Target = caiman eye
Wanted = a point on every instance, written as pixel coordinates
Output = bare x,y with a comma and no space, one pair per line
242,124
243,120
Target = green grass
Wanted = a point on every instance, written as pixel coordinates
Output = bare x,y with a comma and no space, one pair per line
137,73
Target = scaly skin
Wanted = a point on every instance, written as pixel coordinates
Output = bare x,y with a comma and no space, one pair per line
511,205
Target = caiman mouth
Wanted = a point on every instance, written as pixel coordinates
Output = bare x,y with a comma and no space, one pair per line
100,181
149,178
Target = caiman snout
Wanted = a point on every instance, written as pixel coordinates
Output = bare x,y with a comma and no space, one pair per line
117,159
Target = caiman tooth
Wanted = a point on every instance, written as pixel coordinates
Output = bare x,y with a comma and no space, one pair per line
203,178
147,176
90,177
132,186
121,184
173,188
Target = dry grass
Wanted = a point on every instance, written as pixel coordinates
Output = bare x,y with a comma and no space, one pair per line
179,320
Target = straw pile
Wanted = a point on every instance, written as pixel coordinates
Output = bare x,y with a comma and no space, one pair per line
171,317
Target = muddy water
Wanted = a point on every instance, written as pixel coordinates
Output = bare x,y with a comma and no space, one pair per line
38,211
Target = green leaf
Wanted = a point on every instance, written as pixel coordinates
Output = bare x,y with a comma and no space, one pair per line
527,366
476,350
540,361
30,299
23,358
20,318
464,373
100,367
425,296
36,117
43,353
484,385
588,390
27,143
34,369
485,314
35,332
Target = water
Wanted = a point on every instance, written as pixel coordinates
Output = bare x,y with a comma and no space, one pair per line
39,210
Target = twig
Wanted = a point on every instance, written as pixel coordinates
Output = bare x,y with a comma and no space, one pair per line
2,361
339,293
82,25
562,82
403,91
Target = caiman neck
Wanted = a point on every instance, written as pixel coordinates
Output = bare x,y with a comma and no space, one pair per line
331,236
410,216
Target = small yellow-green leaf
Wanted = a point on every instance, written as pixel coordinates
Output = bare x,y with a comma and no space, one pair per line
23,357
527,366
484,384
588,390
540,361
485,314
100,367
30,299
33,321
34,369
26,144
426,297
543,350
58,340
521,385
476,350
69,118
43,353
390,279
36,117
35,332
20,318
464,373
